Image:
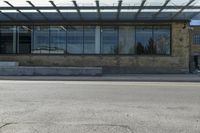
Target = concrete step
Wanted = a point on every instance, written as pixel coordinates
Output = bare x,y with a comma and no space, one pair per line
8,64
50,71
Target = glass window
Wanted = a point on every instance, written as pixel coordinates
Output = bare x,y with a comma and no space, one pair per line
24,42
126,40
162,39
7,39
75,39
109,40
41,40
196,39
144,40
57,40
89,39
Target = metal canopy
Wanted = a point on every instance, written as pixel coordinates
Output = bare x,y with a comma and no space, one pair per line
78,10
161,9
119,9
53,4
38,10
100,12
19,11
140,9
184,7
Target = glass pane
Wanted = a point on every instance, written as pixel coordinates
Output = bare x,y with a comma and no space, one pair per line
126,40
75,39
109,40
162,39
24,45
144,40
57,40
41,40
89,39
196,39
7,39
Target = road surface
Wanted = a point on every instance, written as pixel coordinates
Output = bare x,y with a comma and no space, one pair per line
99,107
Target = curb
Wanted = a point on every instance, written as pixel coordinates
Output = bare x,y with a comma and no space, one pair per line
117,78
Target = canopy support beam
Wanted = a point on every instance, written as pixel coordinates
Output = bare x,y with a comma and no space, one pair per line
10,18
183,8
161,9
78,9
119,9
194,15
30,3
27,17
54,5
140,9
98,9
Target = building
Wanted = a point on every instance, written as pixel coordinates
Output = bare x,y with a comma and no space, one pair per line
194,48
134,38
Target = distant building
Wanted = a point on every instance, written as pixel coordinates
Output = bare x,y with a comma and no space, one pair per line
120,38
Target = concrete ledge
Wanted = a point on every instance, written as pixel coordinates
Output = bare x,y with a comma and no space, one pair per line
8,64
117,78
50,71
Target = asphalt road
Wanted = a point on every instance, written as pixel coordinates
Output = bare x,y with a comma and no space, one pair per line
99,107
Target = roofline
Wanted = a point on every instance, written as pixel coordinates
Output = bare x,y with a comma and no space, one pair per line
93,22
94,7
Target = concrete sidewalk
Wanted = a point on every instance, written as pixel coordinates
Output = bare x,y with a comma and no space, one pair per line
132,77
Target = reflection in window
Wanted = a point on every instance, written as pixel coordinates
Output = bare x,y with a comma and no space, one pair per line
24,46
7,39
109,40
75,39
57,40
144,40
41,40
162,39
126,40
89,39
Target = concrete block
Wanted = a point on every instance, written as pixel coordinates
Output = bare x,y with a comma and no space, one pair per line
50,71
8,64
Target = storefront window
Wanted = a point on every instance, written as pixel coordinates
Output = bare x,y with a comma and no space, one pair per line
65,39
109,40
144,40
126,40
75,39
89,40
7,39
57,40
162,39
24,41
41,40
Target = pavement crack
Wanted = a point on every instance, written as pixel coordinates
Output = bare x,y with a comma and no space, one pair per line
6,124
